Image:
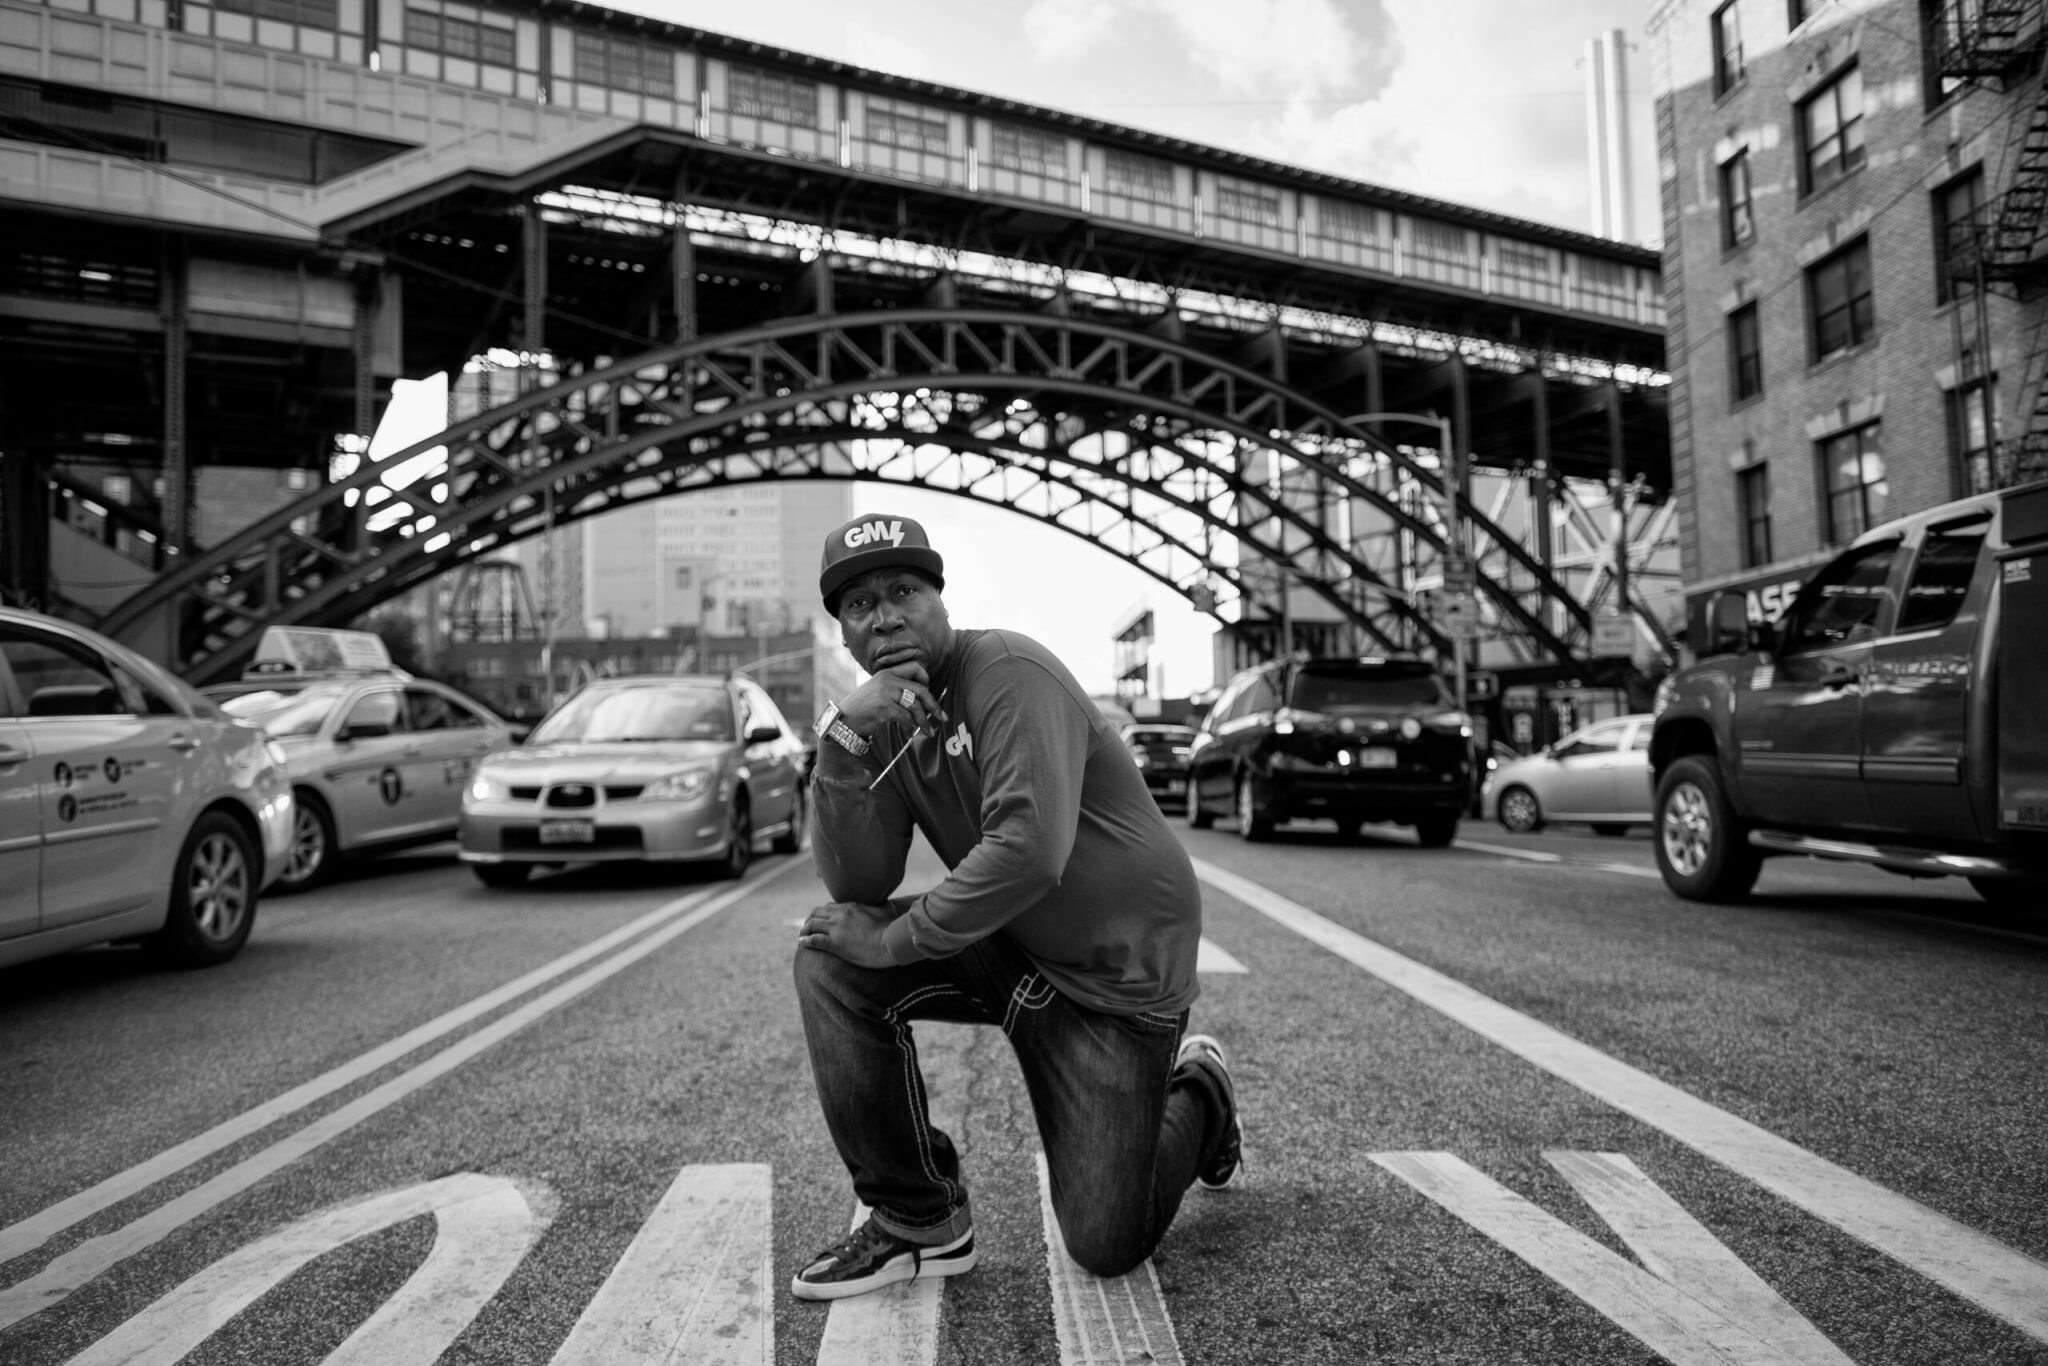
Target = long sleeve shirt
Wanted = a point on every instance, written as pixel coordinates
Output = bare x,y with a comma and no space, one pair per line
1036,808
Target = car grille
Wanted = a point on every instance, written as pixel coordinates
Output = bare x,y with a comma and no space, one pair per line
613,792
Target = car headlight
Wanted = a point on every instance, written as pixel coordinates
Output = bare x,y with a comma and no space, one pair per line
671,787
486,788
1667,688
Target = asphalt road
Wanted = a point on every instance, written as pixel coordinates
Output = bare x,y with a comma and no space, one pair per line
1508,1102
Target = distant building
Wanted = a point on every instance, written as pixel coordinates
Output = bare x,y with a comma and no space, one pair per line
1853,195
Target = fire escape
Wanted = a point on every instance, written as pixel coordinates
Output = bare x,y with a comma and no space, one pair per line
1999,44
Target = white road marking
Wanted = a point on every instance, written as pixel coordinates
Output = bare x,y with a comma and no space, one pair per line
483,1227
897,1325
1103,1321
1693,1307
37,1229
89,1258
1509,851
1210,958
2002,1280
695,1286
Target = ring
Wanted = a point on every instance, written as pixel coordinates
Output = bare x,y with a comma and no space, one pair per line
908,699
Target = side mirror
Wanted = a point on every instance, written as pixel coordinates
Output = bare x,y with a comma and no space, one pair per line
1728,624
763,735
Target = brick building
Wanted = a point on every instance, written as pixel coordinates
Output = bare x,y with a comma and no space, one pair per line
1852,196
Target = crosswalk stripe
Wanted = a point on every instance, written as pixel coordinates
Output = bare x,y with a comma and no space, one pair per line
1103,1321
1209,957
897,1325
2000,1279
694,1287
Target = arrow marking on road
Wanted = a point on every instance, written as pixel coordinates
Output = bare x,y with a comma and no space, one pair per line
694,1288
1103,1320
1698,1304
483,1226
2002,1280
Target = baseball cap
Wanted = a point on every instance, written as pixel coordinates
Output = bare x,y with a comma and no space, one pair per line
878,540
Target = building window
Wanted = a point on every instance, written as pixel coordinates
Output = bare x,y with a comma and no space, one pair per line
1728,66
1852,473
1140,177
779,99
1738,220
918,132
1352,223
1745,353
1247,202
1957,251
1753,505
1441,240
313,13
1031,150
1831,130
1972,440
622,64
431,31
1838,298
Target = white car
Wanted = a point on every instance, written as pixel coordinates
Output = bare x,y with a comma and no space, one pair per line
1599,774
131,807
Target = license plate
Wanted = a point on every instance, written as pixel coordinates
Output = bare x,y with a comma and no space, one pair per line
567,832
1377,758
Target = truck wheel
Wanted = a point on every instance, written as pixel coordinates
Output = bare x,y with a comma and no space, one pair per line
1519,810
1252,823
1437,830
2012,893
1701,847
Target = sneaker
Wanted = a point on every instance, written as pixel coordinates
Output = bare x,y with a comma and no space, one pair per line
871,1257
1227,1163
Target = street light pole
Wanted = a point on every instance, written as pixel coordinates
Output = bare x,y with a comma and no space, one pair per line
1454,537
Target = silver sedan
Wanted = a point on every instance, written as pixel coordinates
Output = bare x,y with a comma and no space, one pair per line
642,768
1599,774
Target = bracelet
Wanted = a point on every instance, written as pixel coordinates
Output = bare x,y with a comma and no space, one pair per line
830,727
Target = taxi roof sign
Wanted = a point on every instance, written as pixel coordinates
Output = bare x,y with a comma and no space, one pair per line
319,649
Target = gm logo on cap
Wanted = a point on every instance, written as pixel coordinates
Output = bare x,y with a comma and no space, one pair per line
873,533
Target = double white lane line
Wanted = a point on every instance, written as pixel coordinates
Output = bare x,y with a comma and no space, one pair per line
88,1259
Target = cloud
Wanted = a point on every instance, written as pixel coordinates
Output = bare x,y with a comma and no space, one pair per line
1297,47
1060,30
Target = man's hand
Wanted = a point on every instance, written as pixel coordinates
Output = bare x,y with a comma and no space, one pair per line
850,930
898,691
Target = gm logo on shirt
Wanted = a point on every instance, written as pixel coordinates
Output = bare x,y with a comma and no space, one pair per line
873,533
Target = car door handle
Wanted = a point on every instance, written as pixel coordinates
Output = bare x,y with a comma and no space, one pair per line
10,755
184,744
1835,675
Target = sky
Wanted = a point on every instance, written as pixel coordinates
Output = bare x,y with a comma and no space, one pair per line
1481,102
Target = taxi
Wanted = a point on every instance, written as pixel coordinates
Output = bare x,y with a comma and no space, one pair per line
131,807
378,759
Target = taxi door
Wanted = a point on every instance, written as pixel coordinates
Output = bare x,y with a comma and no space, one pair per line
1799,715
1916,704
107,770
21,833
1585,777
374,794
447,740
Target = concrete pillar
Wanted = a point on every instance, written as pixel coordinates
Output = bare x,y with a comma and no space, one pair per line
177,460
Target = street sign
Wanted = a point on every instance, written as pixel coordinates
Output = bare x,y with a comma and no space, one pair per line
1482,684
1614,637
1460,574
1457,615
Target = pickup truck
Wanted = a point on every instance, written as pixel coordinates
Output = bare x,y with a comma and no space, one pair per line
1896,714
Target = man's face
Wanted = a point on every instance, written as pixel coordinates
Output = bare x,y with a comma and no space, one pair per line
893,618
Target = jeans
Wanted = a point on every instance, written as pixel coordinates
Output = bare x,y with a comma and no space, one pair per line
1123,1134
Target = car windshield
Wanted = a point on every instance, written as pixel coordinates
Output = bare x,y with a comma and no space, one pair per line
286,710
638,715
1329,690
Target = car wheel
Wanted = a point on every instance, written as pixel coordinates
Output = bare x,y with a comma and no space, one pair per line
501,874
739,843
213,895
1198,819
1519,811
312,851
1702,849
1610,828
1252,823
2012,893
792,839
1437,830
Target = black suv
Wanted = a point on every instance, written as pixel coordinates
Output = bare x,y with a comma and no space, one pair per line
1345,739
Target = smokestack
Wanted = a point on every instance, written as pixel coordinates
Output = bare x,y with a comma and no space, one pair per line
1607,136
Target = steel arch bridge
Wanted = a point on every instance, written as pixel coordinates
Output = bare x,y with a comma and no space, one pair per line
1187,465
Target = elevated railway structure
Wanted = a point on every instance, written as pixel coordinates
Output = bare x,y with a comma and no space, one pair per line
714,262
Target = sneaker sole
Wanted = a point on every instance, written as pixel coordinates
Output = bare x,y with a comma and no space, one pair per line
895,1273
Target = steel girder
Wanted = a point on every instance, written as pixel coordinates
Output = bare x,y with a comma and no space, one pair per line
1136,443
